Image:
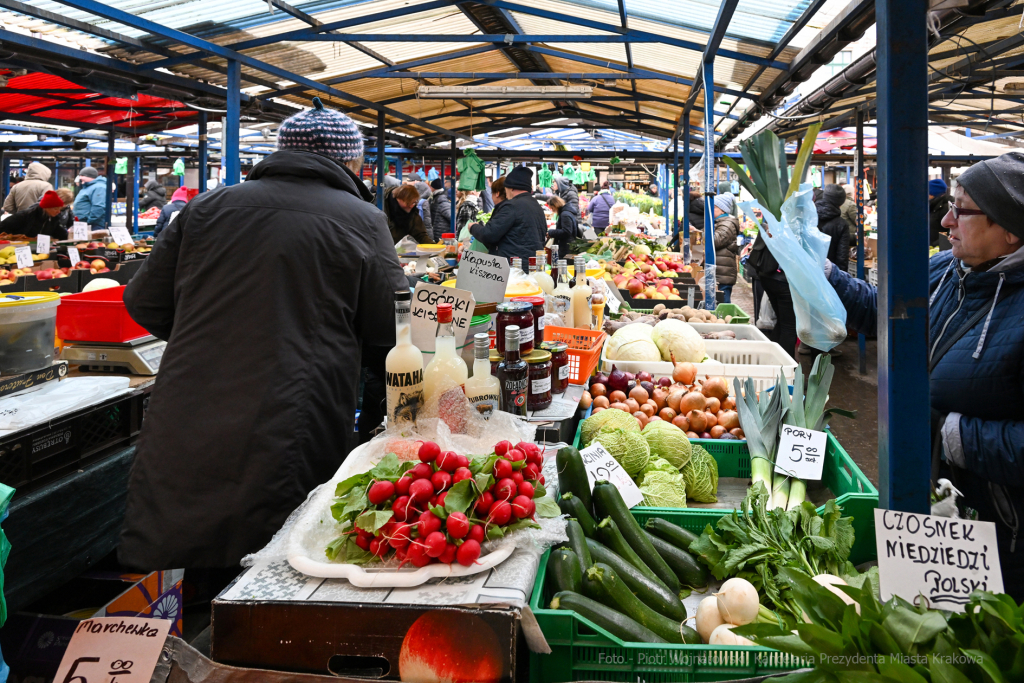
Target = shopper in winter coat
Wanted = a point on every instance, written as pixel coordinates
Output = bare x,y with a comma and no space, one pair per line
975,308
517,226
938,207
51,216
600,206
696,211
237,434
566,226
178,201
831,222
155,195
727,228
466,210
567,191
440,209
849,212
403,218
91,202
26,194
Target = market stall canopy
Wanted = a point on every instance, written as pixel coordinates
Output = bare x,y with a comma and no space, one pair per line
830,140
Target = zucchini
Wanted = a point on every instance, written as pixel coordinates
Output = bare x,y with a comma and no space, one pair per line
651,593
578,544
608,503
608,533
571,505
572,476
619,625
604,585
563,571
667,531
690,572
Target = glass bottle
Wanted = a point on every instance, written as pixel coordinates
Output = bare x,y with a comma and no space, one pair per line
445,376
581,294
403,366
483,389
561,297
540,275
513,375
517,269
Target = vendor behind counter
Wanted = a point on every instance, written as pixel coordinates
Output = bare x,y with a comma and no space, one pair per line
51,216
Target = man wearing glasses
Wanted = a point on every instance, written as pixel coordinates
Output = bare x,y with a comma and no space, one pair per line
976,349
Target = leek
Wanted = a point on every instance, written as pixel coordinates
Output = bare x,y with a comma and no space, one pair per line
760,421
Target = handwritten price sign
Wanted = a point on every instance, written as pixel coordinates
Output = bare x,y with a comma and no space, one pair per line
801,453
602,465
113,650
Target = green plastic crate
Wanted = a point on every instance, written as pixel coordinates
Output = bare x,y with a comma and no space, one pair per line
854,492
739,316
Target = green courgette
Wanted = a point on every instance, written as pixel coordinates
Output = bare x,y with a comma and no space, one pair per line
572,476
602,584
578,544
608,533
571,505
690,572
616,623
651,593
563,571
667,531
608,503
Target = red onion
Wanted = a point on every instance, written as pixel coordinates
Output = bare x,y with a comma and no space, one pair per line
599,378
665,382
630,377
648,386
617,380
643,376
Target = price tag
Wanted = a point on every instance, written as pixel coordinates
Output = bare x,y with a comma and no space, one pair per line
42,244
801,453
80,231
589,234
121,235
108,649
689,296
74,255
485,275
424,314
24,256
601,464
613,304
942,559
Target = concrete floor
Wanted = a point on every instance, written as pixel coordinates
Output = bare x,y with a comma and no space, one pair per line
850,390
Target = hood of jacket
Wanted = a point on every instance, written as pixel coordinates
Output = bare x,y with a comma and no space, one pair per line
439,193
826,210
159,190
302,164
423,189
564,185
37,171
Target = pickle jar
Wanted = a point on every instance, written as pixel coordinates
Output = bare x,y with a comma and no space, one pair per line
539,365
559,365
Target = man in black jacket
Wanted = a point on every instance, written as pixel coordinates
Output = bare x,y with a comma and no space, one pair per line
831,222
938,207
520,229
256,398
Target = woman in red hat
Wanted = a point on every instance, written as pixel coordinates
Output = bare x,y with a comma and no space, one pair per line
51,216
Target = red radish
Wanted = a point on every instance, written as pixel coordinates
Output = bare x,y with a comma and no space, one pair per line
401,536
417,554
421,490
461,474
457,525
515,455
436,543
522,507
401,508
448,461
428,451
441,480
505,489
448,556
502,469
440,498
469,552
379,492
518,478
433,500
541,480
422,471
402,485
526,489
476,533
363,542
428,523
536,458
501,512
378,547
531,472
463,461
502,447
484,503
387,529
528,447
400,553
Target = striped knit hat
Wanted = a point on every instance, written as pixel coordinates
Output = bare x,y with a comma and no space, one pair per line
323,131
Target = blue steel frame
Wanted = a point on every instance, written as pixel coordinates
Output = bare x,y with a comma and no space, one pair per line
230,126
710,281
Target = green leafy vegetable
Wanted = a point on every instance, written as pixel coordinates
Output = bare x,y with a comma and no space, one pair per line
701,476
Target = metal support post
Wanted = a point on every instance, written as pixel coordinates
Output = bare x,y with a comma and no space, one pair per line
451,197
132,209
663,190
399,164
382,162
904,438
204,153
675,195
859,195
710,282
111,179
5,170
230,130
686,192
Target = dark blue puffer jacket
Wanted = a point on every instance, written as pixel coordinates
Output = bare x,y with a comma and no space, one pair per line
978,384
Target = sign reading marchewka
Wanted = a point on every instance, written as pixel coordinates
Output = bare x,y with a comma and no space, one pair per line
942,559
484,275
109,649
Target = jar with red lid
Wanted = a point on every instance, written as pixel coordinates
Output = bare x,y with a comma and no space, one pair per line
559,365
538,396
517,313
538,316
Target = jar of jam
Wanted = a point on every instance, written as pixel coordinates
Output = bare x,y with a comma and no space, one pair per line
538,316
559,365
539,395
515,313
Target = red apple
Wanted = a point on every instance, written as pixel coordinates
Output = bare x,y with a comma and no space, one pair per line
44,275
447,646
635,286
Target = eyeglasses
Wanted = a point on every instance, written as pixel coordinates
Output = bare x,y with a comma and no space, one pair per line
958,211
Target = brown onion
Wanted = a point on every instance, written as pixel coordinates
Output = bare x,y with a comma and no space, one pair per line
602,402
667,414
617,396
713,405
715,387
738,433
586,400
639,394
698,420
653,418
674,398
692,435
641,418
596,410
717,431
711,421
632,405
684,372
647,409
692,401
619,406
730,419
598,389
728,403
660,398
681,422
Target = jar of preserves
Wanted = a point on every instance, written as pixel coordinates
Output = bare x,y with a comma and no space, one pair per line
538,317
518,313
539,396
559,365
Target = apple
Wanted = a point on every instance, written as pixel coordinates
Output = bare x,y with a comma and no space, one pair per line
98,263
659,295
634,286
645,268
674,297
640,296
44,275
81,265
664,291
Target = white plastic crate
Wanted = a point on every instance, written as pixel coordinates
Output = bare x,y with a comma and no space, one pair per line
757,360
743,332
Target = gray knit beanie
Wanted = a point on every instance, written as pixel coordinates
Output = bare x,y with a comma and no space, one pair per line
997,187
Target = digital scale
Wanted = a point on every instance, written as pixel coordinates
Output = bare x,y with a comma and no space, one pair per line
139,356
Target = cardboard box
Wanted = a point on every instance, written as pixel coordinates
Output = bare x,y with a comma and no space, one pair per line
870,246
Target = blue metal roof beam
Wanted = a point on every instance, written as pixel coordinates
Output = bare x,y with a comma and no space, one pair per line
102,10
624,20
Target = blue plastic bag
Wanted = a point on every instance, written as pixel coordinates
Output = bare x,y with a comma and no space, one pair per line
801,249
